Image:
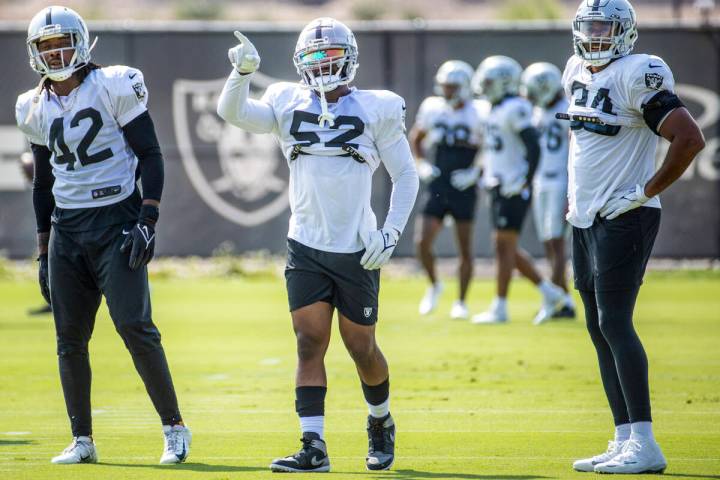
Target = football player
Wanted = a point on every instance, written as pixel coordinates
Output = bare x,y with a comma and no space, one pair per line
620,103
89,130
447,131
334,137
511,154
541,84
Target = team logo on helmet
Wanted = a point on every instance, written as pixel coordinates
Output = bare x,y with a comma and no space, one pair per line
240,175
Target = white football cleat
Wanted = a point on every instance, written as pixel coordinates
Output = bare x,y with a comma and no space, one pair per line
81,450
459,310
588,464
639,455
553,302
430,300
177,444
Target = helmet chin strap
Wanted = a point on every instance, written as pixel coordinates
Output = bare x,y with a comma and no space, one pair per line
39,89
325,116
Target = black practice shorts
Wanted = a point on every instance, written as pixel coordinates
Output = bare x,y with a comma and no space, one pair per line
336,278
508,213
613,254
442,199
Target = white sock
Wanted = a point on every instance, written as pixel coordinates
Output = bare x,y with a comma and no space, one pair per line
569,300
622,432
313,424
499,303
547,288
379,411
642,429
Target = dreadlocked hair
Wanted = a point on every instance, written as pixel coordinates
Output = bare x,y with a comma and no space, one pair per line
81,73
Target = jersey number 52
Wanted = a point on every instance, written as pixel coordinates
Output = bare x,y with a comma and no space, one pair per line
310,138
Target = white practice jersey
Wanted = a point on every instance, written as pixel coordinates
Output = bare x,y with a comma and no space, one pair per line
504,155
552,172
330,190
611,158
447,126
92,163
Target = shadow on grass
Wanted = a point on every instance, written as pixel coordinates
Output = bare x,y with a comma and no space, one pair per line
404,473
191,467
690,475
8,443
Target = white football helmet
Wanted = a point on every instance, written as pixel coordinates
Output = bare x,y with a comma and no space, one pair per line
326,54
604,30
52,22
458,73
497,77
540,83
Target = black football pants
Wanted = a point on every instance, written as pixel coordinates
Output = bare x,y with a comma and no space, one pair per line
609,260
83,266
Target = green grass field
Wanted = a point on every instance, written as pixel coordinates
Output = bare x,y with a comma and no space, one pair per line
492,402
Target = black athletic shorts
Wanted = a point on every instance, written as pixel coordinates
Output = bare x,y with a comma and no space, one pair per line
336,278
442,198
613,254
508,213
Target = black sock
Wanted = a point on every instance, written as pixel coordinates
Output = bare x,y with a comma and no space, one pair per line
155,373
376,394
310,401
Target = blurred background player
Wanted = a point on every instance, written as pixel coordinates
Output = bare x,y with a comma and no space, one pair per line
511,154
334,137
445,140
541,84
89,129
615,210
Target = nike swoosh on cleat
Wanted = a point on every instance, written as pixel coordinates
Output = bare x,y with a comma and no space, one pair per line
83,459
316,463
124,232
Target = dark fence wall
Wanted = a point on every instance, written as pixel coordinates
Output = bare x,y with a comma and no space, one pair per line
223,185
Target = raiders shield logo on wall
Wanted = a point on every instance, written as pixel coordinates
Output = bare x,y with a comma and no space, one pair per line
240,175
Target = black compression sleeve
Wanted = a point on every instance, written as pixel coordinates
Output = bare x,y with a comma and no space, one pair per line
140,135
658,107
43,180
529,137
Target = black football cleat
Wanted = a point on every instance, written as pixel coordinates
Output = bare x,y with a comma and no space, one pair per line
312,457
566,311
381,443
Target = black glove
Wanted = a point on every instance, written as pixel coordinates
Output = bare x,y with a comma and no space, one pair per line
140,240
43,277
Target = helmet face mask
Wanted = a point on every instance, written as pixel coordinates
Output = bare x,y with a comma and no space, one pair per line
603,31
59,23
452,82
326,55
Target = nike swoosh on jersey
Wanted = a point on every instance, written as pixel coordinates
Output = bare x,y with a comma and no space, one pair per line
132,75
125,232
654,66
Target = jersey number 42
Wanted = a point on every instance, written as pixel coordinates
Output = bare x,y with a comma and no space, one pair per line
64,155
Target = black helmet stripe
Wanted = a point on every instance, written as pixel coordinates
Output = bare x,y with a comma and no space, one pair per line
48,16
596,6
